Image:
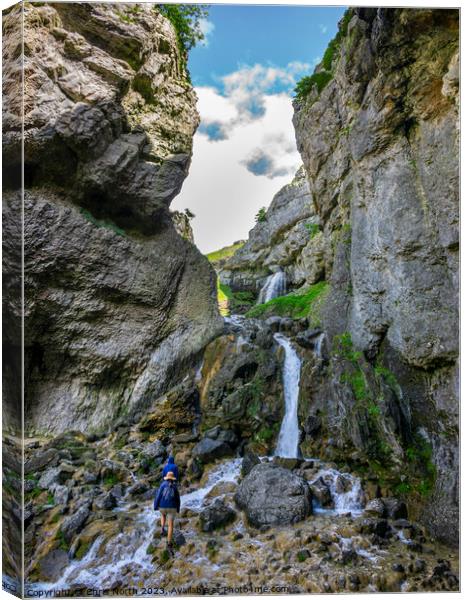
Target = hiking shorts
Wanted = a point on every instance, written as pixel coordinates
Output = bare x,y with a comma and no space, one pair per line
170,513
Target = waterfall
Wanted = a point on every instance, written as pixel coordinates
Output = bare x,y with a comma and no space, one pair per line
288,438
274,286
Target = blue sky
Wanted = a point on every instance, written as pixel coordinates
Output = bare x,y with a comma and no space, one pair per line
250,34
244,75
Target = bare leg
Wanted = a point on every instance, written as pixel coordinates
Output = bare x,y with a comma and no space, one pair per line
162,521
170,531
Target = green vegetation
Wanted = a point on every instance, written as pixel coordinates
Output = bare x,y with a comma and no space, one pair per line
301,304
229,301
101,222
82,549
186,19
313,229
387,376
110,479
261,216
224,253
63,544
319,79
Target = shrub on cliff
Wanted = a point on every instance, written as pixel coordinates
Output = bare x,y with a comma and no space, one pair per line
186,19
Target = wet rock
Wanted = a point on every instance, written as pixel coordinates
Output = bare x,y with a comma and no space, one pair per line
208,450
117,491
343,484
321,492
178,538
273,323
74,523
90,477
375,508
105,501
216,515
396,509
287,463
53,564
250,460
272,495
398,568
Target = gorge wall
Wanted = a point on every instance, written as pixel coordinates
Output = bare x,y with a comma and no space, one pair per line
377,129
380,147
117,304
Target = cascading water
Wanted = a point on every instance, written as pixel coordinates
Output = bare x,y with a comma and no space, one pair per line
274,286
288,438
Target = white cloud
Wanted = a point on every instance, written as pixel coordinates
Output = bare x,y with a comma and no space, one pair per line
323,28
207,28
234,174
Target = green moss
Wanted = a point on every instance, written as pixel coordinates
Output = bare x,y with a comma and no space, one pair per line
164,556
387,376
110,480
302,555
63,544
101,222
343,347
296,306
313,229
82,549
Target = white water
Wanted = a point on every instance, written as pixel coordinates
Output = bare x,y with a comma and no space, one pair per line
127,551
274,286
344,502
288,438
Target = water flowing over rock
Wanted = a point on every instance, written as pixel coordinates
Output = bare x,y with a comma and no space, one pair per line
274,286
118,305
288,438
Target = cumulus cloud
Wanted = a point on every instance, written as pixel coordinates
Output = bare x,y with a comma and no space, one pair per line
207,28
244,151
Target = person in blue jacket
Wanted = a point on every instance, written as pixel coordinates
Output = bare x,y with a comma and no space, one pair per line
168,502
170,466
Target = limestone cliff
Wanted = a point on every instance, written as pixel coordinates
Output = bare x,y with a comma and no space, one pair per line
117,304
378,135
285,238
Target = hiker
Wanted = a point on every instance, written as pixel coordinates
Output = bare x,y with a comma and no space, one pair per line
168,503
170,466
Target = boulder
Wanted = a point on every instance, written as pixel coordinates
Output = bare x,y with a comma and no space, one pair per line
321,492
38,461
105,501
287,463
208,449
53,564
74,523
216,515
56,475
250,460
154,450
272,495
395,509
61,494
375,508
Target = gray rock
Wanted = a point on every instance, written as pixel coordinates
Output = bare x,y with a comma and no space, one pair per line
55,475
41,459
155,450
105,501
272,495
250,460
61,494
75,522
321,492
95,136
376,508
396,509
208,450
216,515
53,564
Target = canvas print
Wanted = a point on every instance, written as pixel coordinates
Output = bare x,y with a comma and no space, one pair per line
230,299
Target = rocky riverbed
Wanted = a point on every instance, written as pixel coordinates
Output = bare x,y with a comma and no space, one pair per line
292,523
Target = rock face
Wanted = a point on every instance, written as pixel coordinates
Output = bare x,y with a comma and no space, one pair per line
285,239
272,495
118,305
379,145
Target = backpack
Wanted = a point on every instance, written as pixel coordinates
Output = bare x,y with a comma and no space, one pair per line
168,495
